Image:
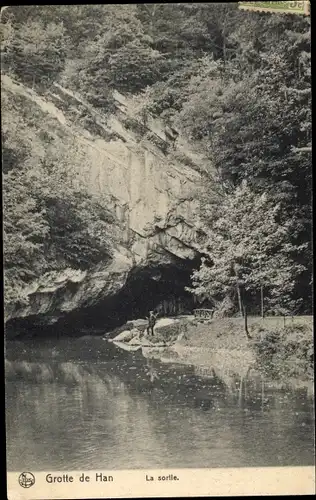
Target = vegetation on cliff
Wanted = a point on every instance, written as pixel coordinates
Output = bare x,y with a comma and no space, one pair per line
235,84
50,222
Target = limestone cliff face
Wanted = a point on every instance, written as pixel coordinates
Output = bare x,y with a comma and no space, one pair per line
151,187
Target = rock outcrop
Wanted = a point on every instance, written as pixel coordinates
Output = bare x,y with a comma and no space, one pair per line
151,187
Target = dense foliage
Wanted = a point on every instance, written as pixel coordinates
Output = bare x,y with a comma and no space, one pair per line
286,352
50,223
237,86
249,253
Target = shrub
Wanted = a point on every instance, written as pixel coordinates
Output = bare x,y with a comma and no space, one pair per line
286,352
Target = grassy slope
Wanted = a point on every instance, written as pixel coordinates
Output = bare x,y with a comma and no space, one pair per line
282,353
229,333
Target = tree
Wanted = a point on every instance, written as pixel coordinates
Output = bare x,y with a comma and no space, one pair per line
119,56
249,252
25,231
36,53
252,120
51,222
166,98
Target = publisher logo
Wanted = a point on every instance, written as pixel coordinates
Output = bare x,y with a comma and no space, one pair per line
26,479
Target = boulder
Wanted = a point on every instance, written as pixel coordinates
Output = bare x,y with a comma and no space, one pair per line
136,338
169,331
137,323
166,322
125,336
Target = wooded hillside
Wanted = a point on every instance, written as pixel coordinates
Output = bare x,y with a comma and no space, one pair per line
235,84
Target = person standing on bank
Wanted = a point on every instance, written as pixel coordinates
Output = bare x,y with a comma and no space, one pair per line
151,322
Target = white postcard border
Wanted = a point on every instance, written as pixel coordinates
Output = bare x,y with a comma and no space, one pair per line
189,482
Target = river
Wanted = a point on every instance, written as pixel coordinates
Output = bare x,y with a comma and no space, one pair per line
86,404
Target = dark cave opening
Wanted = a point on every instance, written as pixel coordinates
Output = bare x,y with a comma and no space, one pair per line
160,288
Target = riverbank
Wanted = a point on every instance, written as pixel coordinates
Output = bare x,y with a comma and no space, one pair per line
282,354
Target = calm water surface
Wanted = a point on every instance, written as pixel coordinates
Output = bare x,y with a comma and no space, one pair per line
84,404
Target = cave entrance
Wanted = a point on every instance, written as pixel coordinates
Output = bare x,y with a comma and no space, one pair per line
159,288
155,287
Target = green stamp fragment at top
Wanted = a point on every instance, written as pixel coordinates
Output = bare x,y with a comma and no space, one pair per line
298,7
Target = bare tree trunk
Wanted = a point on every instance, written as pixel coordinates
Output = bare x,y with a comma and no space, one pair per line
224,49
240,392
239,301
299,69
246,323
261,287
224,39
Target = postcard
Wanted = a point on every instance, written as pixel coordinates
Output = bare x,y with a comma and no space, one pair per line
158,279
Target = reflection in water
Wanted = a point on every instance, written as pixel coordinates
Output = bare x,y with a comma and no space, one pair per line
91,406
151,370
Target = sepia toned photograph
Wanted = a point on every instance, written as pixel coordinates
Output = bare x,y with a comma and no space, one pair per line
157,215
